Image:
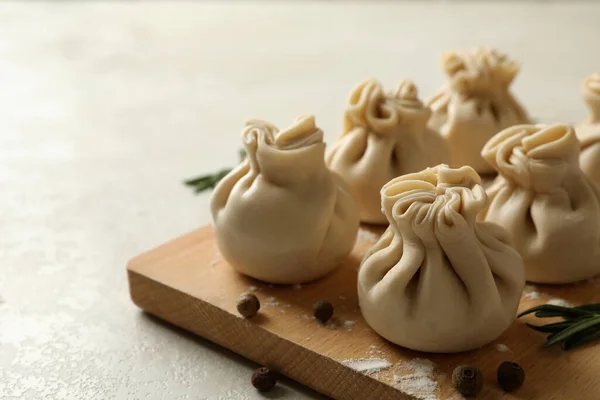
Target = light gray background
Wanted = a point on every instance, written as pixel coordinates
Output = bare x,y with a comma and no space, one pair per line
106,107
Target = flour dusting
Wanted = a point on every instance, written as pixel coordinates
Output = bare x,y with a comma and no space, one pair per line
253,288
367,365
297,286
349,324
502,348
532,295
272,301
559,302
420,382
331,325
374,350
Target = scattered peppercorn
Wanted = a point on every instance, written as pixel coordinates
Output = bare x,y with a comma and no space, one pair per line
263,379
510,376
248,305
467,380
322,310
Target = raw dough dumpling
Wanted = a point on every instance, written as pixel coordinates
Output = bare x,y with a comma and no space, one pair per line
437,280
282,216
475,104
384,136
589,131
551,209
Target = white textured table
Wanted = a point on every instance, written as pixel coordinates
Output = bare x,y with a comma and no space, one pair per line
105,108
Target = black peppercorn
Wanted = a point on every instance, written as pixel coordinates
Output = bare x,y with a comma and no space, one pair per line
263,379
322,310
467,380
248,305
510,376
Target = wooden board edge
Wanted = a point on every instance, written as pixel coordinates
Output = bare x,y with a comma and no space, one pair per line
242,336
184,242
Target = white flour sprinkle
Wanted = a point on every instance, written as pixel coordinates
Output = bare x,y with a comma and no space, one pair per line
367,365
374,350
272,301
502,348
559,302
253,288
367,236
532,295
349,324
307,338
331,325
420,382
297,286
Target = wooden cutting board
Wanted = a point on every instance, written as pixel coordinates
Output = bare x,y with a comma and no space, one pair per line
187,283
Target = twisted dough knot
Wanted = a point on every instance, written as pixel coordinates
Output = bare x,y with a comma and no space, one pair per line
592,83
371,108
591,95
435,197
479,70
303,132
536,157
407,95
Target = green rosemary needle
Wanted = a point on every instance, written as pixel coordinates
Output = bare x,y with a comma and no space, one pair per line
209,181
580,325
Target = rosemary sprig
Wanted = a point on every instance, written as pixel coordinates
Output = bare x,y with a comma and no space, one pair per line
206,182
580,325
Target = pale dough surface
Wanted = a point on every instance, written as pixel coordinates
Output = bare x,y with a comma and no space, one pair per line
541,196
475,103
384,135
438,280
588,132
105,108
282,216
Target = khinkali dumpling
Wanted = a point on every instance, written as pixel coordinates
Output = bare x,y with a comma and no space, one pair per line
551,209
588,132
384,136
438,280
475,104
282,216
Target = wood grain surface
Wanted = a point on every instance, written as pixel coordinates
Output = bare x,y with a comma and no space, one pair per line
187,283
